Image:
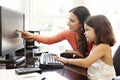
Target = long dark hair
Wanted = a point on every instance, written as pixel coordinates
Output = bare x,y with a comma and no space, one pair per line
103,29
82,14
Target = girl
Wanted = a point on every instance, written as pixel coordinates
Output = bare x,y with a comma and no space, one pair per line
98,31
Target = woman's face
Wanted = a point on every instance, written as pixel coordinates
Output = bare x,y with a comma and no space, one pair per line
73,23
90,34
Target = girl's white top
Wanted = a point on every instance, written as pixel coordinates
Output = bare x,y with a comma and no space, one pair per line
100,71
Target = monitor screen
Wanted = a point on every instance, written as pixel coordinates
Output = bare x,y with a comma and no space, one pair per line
10,21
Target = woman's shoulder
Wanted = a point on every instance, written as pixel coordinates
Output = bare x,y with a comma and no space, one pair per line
68,34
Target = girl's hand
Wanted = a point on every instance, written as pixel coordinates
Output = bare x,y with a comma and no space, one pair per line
61,59
25,34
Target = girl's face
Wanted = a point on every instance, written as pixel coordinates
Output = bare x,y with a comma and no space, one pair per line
73,23
90,34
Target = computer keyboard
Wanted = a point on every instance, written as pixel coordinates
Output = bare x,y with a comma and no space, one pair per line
47,61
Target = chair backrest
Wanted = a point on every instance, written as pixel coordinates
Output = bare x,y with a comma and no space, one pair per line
116,61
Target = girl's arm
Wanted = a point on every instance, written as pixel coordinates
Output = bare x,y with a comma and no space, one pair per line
97,53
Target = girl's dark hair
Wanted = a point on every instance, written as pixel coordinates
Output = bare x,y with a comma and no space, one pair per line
103,29
82,14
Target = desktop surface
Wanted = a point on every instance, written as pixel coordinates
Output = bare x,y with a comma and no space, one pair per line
70,72
65,73
9,74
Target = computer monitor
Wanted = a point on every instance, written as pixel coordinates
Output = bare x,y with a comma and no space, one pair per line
10,40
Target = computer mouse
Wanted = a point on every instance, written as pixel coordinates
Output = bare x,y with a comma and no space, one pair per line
66,55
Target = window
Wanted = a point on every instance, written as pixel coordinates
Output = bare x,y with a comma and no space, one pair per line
109,8
49,17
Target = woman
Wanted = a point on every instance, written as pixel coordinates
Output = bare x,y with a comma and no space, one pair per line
98,31
75,34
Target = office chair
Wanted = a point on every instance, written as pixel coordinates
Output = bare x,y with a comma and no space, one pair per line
116,61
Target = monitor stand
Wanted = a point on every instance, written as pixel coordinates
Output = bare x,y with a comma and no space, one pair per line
12,61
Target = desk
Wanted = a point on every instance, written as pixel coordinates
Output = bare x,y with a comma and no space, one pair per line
9,74
70,72
66,73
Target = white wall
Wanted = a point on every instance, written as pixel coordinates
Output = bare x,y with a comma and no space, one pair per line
13,4
79,3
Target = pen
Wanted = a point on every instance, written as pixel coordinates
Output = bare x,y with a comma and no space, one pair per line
43,78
